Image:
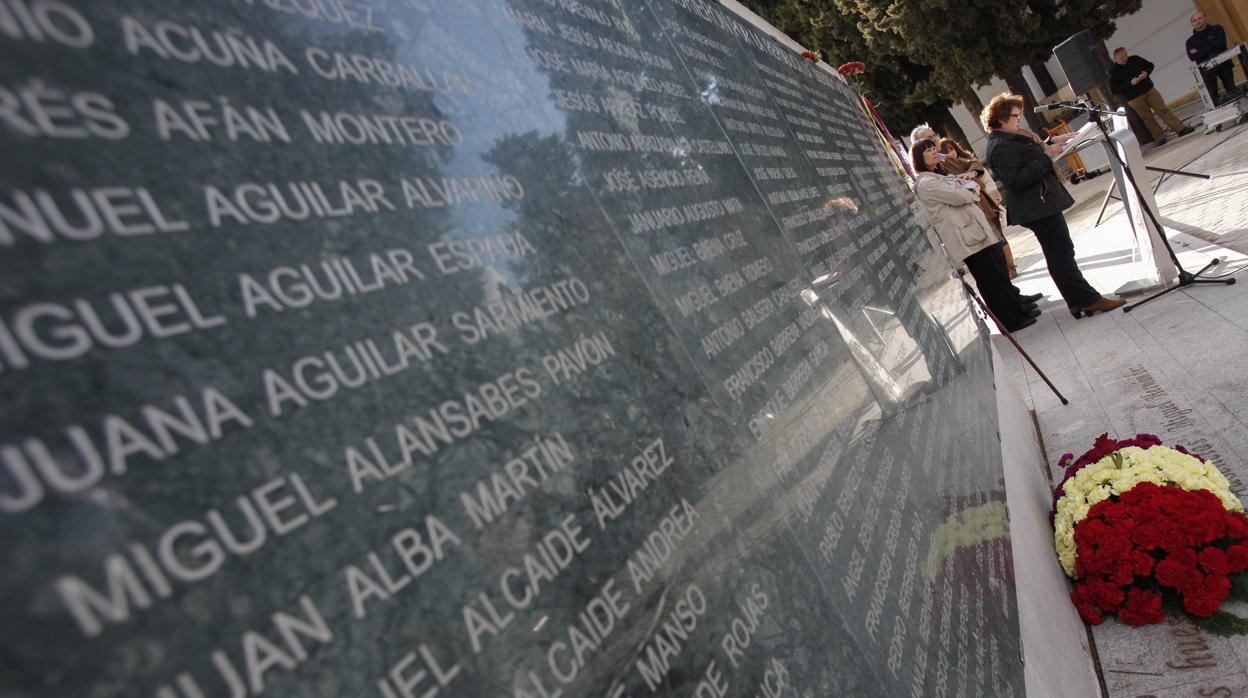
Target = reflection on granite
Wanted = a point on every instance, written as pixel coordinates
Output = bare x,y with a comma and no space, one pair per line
526,348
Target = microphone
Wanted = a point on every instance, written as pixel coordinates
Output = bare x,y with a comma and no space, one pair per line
1056,105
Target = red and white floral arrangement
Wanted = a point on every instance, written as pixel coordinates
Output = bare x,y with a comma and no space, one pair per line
1135,518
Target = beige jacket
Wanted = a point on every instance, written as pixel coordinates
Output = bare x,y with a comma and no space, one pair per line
953,205
987,204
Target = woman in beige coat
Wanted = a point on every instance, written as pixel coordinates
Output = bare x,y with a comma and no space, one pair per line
958,160
952,202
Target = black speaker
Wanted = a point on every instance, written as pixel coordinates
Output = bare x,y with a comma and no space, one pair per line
1082,62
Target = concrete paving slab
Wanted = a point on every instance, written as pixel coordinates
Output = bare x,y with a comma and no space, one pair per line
1142,661
1231,686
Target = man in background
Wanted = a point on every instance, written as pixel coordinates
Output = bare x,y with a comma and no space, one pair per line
923,132
1130,78
1208,40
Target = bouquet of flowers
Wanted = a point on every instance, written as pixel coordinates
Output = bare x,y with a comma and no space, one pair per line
1132,518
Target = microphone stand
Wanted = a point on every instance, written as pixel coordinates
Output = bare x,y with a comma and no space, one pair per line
1186,278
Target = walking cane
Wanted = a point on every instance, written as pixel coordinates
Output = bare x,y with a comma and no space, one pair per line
1013,341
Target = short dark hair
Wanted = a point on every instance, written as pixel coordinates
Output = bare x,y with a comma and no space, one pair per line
916,154
998,110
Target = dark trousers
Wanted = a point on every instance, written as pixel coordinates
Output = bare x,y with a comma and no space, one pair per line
1059,256
992,277
1224,73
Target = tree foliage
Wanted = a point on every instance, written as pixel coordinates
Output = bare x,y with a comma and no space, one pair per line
841,37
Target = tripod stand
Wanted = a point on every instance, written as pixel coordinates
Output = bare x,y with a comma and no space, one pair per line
1186,278
1110,196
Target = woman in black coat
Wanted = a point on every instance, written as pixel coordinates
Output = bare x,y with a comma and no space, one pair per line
1035,199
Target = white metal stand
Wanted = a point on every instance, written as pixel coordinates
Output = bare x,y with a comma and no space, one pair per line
1217,116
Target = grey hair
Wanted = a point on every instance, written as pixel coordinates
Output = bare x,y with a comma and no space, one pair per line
915,133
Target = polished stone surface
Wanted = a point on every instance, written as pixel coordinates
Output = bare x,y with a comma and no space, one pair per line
522,348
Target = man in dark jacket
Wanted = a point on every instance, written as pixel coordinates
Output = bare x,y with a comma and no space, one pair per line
1208,40
1130,78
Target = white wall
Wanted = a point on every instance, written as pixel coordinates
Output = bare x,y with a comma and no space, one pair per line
995,87
1033,84
1157,33
971,127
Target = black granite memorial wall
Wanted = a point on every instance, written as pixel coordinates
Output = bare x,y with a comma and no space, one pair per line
526,348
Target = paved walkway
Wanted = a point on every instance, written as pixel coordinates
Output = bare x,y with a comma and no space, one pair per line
1176,367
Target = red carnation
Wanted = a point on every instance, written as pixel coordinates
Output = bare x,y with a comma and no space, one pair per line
1104,594
1140,441
1219,585
1213,561
1142,608
1118,516
1178,567
1144,494
1203,522
1205,600
1236,525
1154,534
1083,604
1093,527
1105,445
1237,557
